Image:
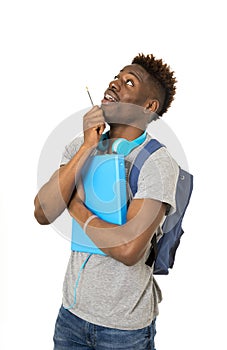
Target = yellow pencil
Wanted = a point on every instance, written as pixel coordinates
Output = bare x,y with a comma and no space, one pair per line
89,96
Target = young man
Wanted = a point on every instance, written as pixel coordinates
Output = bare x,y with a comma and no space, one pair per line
117,297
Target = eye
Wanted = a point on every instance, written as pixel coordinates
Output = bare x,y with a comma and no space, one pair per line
116,77
129,82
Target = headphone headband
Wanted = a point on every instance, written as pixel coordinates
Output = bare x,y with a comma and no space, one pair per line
121,145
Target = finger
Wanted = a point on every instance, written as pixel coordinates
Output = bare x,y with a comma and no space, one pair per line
93,112
93,121
102,128
93,109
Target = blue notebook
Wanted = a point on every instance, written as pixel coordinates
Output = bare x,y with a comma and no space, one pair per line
104,183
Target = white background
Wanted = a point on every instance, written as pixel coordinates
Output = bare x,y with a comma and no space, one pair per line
50,50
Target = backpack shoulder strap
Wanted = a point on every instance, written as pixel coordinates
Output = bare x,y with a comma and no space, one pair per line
183,194
152,146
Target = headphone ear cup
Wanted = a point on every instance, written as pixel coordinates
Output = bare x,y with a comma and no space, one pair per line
103,143
122,146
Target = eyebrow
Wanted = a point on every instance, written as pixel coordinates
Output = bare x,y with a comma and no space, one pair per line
136,75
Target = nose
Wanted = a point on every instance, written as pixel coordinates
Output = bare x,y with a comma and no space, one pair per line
115,85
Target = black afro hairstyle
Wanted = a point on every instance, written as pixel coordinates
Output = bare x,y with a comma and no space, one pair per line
162,76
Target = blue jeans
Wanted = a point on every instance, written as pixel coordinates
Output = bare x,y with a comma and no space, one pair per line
73,333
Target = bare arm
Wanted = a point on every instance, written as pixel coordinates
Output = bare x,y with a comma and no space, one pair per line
54,196
126,243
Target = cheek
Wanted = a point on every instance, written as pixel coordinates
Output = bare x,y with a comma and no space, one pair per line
131,98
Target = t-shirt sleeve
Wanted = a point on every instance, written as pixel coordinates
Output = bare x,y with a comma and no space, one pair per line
71,149
158,178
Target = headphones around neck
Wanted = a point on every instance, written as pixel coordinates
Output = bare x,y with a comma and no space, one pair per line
121,145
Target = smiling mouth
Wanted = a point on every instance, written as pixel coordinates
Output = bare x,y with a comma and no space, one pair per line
109,98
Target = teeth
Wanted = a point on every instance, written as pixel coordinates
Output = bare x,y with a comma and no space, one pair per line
110,98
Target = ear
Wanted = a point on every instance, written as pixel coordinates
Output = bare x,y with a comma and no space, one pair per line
151,105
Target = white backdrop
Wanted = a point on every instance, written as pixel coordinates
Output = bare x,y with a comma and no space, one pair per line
50,50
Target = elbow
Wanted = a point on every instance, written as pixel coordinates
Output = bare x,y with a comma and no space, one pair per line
39,215
130,260
127,255
41,218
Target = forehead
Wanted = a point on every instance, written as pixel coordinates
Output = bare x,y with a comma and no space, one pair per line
137,70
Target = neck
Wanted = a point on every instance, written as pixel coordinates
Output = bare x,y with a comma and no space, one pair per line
127,132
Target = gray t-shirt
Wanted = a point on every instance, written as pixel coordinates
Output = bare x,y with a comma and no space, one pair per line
109,293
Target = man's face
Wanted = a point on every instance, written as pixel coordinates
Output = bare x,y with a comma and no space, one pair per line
131,85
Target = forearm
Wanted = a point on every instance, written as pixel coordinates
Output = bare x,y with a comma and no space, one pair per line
126,243
55,195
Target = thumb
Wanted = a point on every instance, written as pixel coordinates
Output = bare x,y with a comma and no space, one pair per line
102,128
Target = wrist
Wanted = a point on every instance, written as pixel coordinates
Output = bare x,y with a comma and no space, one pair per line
89,219
87,147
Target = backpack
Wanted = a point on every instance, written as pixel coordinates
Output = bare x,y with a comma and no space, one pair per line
162,253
